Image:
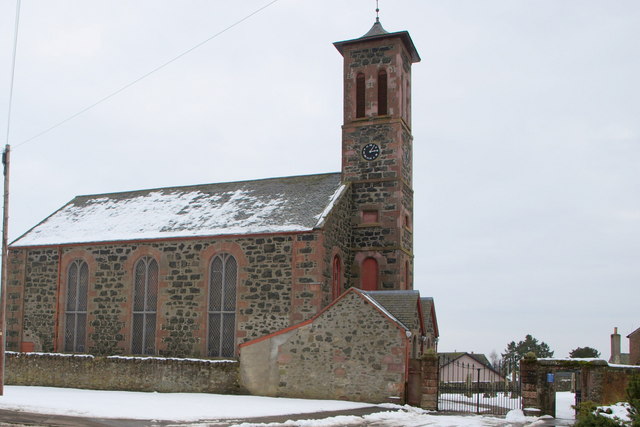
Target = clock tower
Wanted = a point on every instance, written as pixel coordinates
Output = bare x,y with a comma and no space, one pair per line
377,156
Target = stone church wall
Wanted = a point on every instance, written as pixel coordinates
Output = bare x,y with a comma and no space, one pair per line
350,351
263,298
32,295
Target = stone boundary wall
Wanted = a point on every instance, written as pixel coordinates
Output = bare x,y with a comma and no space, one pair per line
600,382
123,373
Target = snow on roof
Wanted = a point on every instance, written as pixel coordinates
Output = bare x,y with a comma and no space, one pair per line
298,203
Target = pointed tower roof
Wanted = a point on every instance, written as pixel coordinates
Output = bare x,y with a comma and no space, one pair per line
378,32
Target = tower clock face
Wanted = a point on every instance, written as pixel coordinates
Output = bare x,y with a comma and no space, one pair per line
370,151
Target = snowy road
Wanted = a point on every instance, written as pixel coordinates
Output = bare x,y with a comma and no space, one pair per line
112,408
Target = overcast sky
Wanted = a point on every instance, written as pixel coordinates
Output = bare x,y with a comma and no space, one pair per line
526,135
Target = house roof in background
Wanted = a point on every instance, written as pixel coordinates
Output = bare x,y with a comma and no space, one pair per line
446,358
636,332
291,204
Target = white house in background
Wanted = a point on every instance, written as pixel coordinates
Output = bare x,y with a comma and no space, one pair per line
462,367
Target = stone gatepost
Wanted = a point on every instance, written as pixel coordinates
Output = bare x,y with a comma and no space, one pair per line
429,398
533,400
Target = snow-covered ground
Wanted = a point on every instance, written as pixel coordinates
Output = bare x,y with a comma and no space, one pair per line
457,402
564,405
193,407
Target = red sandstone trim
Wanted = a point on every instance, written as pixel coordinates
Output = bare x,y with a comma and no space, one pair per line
164,239
56,318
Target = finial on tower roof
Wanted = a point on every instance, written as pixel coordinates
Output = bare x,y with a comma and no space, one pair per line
377,12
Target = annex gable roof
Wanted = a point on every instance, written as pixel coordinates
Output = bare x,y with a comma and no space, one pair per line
402,305
292,204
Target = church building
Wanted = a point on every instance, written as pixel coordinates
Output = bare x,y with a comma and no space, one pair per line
202,270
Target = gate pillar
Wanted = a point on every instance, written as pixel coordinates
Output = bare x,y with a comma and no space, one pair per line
532,399
429,387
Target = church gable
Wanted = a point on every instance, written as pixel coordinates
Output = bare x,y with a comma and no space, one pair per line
277,205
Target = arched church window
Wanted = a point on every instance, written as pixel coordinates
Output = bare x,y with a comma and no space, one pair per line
369,277
360,98
75,318
223,278
336,277
145,302
382,93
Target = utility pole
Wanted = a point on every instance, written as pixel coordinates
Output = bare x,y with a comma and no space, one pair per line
5,252
5,213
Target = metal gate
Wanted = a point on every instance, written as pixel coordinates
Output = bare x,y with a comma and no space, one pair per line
469,385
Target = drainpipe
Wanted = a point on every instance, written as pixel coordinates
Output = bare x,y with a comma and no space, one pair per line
407,356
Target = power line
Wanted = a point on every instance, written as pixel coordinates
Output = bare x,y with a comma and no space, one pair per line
13,67
144,76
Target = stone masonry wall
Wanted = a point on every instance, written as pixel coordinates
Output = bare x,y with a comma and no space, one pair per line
263,297
350,351
32,296
381,185
117,373
337,240
15,274
313,254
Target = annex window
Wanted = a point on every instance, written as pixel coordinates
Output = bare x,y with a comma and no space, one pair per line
223,278
145,302
382,93
75,318
369,274
360,98
336,277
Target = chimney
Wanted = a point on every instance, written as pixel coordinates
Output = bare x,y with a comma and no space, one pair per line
615,347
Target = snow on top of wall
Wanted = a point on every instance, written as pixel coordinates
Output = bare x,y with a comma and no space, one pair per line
249,207
175,359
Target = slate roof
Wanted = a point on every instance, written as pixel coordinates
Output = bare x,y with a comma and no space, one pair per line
292,204
403,305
